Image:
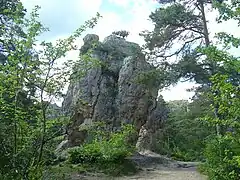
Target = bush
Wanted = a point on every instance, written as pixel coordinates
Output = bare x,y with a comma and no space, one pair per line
89,153
107,151
222,158
184,133
63,171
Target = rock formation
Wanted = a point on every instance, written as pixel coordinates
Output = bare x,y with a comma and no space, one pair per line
111,92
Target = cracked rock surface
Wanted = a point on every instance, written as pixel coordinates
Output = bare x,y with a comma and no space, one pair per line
111,93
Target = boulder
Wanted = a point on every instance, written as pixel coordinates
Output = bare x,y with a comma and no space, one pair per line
111,92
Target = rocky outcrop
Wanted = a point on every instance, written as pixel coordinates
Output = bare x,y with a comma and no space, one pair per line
111,92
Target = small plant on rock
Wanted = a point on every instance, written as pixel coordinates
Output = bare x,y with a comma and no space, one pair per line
106,150
123,34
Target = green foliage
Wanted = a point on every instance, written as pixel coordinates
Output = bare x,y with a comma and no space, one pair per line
155,78
228,11
30,79
123,34
12,13
222,152
105,147
105,150
179,29
87,153
184,134
173,23
222,155
63,172
150,78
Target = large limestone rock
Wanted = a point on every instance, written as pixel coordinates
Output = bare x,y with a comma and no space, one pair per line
111,92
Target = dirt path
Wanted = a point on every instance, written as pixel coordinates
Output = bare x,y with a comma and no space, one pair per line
156,167
156,174
166,174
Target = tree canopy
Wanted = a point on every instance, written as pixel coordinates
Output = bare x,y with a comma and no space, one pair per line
206,129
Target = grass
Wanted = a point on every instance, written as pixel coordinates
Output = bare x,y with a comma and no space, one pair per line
66,171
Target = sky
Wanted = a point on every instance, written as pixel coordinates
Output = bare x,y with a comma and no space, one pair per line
62,17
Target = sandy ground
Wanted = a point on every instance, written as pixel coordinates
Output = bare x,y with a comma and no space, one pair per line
157,167
156,174
167,174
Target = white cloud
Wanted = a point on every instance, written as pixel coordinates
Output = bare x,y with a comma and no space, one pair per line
110,22
178,92
88,8
127,3
63,17
140,13
137,13
133,17
229,26
122,3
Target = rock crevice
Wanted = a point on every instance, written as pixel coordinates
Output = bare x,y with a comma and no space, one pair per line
111,91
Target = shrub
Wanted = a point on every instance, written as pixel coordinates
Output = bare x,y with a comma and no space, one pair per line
104,150
222,158
184,133
89,153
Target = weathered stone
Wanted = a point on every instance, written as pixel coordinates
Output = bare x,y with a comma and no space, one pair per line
144,139
111,92
121,46
90,38
81,114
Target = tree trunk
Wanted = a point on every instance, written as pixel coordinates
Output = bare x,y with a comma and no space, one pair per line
207,43
205,28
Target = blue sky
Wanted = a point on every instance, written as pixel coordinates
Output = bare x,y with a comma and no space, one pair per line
64,16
